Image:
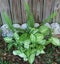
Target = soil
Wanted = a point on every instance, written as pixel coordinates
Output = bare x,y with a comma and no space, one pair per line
52,55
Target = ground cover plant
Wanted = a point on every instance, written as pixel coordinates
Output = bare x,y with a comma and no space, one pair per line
30,42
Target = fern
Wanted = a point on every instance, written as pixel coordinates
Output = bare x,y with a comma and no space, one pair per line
7,20
30,18
50,17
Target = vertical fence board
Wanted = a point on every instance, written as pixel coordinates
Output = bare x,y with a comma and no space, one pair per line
0,20
57,9
23,11
16,11
30,2
39,10
35,9
4,5
13,6
47,8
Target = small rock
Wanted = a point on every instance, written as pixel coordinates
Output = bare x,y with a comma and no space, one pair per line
55,25
6,31
36,25
56,28
4,26
24,26
48,25
16,26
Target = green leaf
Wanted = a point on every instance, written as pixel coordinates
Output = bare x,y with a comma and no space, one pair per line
33,30
39,37
44,30
16,52
9,46
26,44
23,37
32,38
28,52
40,47
31,58
42,42
55,41
16,36
7,20
40,52
8,40
21,54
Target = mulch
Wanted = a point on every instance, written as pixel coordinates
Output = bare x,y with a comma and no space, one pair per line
52,55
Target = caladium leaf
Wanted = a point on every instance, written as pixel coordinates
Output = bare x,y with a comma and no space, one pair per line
31,58
35,31
8,39
21,54
26,44
55,41
23,37
16,52
39,37
40,52
16,36
32,38
42,42
40,47
44,30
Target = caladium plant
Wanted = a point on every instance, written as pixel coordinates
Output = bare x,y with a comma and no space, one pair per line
32,41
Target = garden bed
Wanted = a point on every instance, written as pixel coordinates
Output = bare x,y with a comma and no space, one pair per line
52,55
29,44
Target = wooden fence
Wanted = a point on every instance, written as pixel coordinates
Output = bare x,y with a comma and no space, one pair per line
41,9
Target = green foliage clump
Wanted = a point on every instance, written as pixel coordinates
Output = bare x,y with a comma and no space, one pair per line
32,41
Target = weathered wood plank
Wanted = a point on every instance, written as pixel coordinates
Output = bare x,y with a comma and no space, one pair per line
4,5
39,10
35,9
23,11
47,8
0,20
57,9
13,10
16,11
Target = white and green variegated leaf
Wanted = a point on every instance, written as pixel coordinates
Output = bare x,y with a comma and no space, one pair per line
21,54
16,36
44,30
8,39
31,58
55,41
26,44
39,37
40,52
32,38
42,42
